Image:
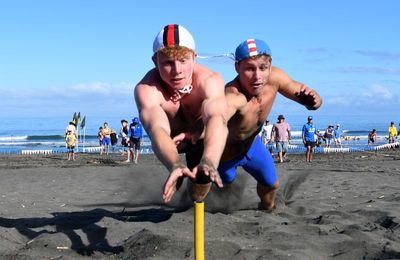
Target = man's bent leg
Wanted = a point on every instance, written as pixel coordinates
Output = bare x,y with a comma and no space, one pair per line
267,195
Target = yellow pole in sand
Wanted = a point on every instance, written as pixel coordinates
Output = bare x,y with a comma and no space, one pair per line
199,230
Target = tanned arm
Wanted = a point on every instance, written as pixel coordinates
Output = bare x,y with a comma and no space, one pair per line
156,124
214,115
295,90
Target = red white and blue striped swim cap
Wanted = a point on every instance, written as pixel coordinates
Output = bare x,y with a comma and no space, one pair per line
251,47
173,35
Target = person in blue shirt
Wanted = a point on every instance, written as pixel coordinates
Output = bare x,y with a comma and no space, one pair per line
338,135
135,139
309,136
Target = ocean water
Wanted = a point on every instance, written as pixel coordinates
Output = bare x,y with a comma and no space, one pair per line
48,133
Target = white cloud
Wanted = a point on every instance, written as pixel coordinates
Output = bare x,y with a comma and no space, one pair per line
100,89
94,97
382,92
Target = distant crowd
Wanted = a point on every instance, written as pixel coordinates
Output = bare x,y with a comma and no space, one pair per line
130,136
280,135
131,139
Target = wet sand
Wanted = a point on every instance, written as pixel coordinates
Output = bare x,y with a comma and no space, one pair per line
341,206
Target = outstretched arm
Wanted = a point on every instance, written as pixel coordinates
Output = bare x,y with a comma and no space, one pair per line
214,115
155,122
296,90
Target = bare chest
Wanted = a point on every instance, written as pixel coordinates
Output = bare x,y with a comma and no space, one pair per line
184,115
249,119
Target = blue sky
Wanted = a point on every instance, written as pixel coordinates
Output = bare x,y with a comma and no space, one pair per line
58,57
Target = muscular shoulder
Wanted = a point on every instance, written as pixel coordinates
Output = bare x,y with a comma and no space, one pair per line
279,77
208,80
149,89
233,95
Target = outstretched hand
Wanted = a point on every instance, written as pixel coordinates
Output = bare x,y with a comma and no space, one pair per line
309,98
206,167
175,180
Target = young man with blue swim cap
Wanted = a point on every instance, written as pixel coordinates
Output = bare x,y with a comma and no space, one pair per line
250,97
182,107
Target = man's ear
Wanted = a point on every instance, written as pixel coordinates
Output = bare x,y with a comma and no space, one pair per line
154,59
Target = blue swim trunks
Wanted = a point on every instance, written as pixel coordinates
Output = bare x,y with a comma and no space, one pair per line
257,161
106,141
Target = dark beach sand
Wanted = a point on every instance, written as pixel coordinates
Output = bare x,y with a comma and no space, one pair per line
341,206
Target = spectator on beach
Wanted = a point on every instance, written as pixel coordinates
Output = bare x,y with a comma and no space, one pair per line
100,137
266,133
338,132
106,141
392,131
320,139
329,135
135,139
113,139
309,136
372,136
71,128
250,98
124,131
70,140
281,135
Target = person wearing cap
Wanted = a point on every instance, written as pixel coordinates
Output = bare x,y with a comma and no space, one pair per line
182,107
71,128
392,131
338,132
281,135
250,96
135,139
329,136
309,135
114,139
70,140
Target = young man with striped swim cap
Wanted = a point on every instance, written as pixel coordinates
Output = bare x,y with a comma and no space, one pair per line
250,97
182,107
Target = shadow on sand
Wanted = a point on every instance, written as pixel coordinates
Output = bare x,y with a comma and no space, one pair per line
73,223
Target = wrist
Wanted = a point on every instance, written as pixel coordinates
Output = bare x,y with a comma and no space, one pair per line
207,161
176,165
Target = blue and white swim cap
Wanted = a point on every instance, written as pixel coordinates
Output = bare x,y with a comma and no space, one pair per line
250,48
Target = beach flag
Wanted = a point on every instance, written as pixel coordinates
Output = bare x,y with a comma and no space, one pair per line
74,117
83,122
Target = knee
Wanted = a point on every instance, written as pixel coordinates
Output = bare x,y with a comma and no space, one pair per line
268,188
265,191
